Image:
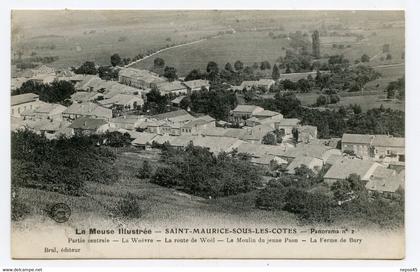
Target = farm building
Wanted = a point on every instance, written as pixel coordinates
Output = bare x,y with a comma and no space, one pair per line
23,102
141,79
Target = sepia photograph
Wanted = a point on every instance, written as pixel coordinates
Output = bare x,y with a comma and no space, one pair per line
207,134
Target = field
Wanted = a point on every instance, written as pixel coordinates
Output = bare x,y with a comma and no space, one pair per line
248,47
77,36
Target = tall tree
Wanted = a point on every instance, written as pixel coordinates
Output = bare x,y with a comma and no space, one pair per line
115,59
158,63
170,73
316,45
238,65
276,72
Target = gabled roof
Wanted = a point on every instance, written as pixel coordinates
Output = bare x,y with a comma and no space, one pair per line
388,141
144,138
288,122
144,75
170,86
390,183
120,99
88,123
45,108
266,113
23,98
311,150
299,161
357,138
247,108
178,99
342,169
84,96
89,109
198,83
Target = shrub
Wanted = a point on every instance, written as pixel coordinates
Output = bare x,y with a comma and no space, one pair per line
129,206
272,197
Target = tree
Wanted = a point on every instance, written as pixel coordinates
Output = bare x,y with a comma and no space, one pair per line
145,171
269,139
316,45
388,56
212,68
365,58
322,100
341,190
170,73
238,65
276,72
265,65
115,59
303,85
195,74
155,102
295,133
87,68
158,63
228,67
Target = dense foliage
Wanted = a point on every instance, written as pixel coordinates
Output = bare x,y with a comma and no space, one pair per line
55,92
197,171
62,165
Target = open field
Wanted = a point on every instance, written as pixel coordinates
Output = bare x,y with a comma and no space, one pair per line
248,47
78,36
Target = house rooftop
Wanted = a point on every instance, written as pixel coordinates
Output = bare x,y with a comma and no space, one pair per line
357,138
342,169
23,98
167,87
246,108
87,123
198,83
266,113
388,141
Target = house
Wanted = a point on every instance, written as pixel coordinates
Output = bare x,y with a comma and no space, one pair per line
174,87
360,144
321,152
387,185
87,109
89,126
44,111
82,96
144,140
307,133
217,144
262,83
315,164
118,88
197,126
23,102
382,148
267,114
141,79
286,126
181,116
123,102
197,85
129,122
255,134
344,168
243,112
389,148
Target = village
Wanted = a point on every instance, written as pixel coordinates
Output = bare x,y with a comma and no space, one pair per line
274,143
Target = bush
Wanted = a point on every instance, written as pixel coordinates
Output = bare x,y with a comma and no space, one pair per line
145,171
272,197
19,209
129,206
